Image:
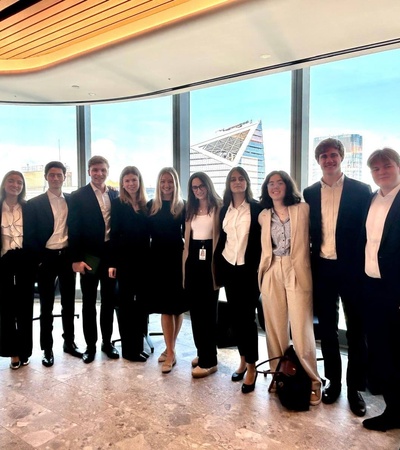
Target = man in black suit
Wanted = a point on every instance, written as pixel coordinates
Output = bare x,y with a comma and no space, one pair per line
337,205
381,247
49,221
89,237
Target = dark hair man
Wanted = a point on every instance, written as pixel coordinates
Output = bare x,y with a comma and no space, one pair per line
337,205
49,219
89,236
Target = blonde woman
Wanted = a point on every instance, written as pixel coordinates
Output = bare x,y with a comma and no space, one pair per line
166,221
201,237
130,249
285,275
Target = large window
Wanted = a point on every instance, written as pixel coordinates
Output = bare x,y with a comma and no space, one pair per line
357,101
244,123
134,134
31,136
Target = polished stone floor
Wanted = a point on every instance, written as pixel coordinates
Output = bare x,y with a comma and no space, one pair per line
117,404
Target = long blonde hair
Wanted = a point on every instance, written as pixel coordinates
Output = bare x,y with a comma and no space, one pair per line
141,193
176,202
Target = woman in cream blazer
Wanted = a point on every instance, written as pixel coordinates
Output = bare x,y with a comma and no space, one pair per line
285,274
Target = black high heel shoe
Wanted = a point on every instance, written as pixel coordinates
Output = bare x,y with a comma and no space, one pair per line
247,388
238,376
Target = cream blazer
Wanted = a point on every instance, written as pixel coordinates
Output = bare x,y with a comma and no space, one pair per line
300,244
215,237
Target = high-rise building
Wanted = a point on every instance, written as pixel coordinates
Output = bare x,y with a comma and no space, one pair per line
352,163
239,145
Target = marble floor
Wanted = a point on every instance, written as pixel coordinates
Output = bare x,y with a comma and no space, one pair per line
117,404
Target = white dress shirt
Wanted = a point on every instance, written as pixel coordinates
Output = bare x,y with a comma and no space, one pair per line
105,206
236,225
11,228
59,238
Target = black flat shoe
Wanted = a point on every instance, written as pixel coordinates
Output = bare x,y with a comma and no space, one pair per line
15,365
145,354
110,351
357,403
238,376
72,349
383,422
247,388
88,356
331,393
48,358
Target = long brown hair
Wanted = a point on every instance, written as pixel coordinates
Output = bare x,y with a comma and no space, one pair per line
22,194
124,196
213,199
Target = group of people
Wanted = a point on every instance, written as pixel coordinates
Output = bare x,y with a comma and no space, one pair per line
169,256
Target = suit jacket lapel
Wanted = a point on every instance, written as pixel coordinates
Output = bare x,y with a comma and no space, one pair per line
293,215
392,216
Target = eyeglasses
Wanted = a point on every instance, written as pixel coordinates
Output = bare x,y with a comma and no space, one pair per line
200,186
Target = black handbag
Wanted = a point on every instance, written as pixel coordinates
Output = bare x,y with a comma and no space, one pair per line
293,385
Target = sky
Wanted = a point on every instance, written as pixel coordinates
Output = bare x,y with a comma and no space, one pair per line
358,95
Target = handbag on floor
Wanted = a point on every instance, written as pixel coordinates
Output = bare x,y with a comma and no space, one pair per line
293,385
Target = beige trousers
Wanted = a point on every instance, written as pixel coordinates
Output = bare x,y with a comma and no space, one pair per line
287,306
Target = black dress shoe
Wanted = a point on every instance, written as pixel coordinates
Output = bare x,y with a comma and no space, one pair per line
88,356
135,358
48,358
110,351
72,349
331,393
246,388
383,422
238,376
357,403
145,354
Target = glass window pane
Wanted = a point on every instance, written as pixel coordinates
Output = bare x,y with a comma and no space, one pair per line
357,101
244,123
134,134
31,136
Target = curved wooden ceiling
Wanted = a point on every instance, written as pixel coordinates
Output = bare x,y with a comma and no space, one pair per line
47,32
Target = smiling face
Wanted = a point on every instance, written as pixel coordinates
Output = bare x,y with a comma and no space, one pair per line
276,188
98,174
237,183
330,162
199,189
167,186
386,174
131,184
55,177
13,186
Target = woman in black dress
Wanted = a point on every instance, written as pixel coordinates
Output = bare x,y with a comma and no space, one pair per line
167,220
16,272
130,247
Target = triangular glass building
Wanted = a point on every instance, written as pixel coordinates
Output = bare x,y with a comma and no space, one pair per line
239,145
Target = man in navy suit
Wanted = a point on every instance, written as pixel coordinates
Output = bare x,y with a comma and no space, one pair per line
337,206
89,237
381,248
49,221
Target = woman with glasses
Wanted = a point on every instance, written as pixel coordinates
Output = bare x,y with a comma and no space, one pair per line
16,272
167,221
285,275
130,248
238,256
201,237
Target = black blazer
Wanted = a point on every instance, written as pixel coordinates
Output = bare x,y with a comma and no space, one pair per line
353,204
389,249
253,250
86,228
43,220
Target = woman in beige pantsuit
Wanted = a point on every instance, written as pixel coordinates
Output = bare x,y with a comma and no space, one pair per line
285,275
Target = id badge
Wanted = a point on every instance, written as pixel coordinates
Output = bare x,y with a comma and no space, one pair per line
202,254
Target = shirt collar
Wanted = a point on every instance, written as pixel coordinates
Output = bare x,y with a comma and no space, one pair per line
391,194
338,183
98,190
242,205
53,196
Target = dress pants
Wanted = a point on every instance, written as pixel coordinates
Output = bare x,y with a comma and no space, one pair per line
288,307
203,302
242,294
56,263
89,283
382,312
330,282
132,318
16,304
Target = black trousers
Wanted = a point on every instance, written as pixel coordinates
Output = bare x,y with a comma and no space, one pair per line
56,263
242,294
330,282
16,304
132,315
203,301
382,314
89,284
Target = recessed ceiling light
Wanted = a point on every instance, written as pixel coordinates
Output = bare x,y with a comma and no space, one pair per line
265,56
75,86
92,94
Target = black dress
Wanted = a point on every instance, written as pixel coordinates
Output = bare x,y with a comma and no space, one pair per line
166,261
